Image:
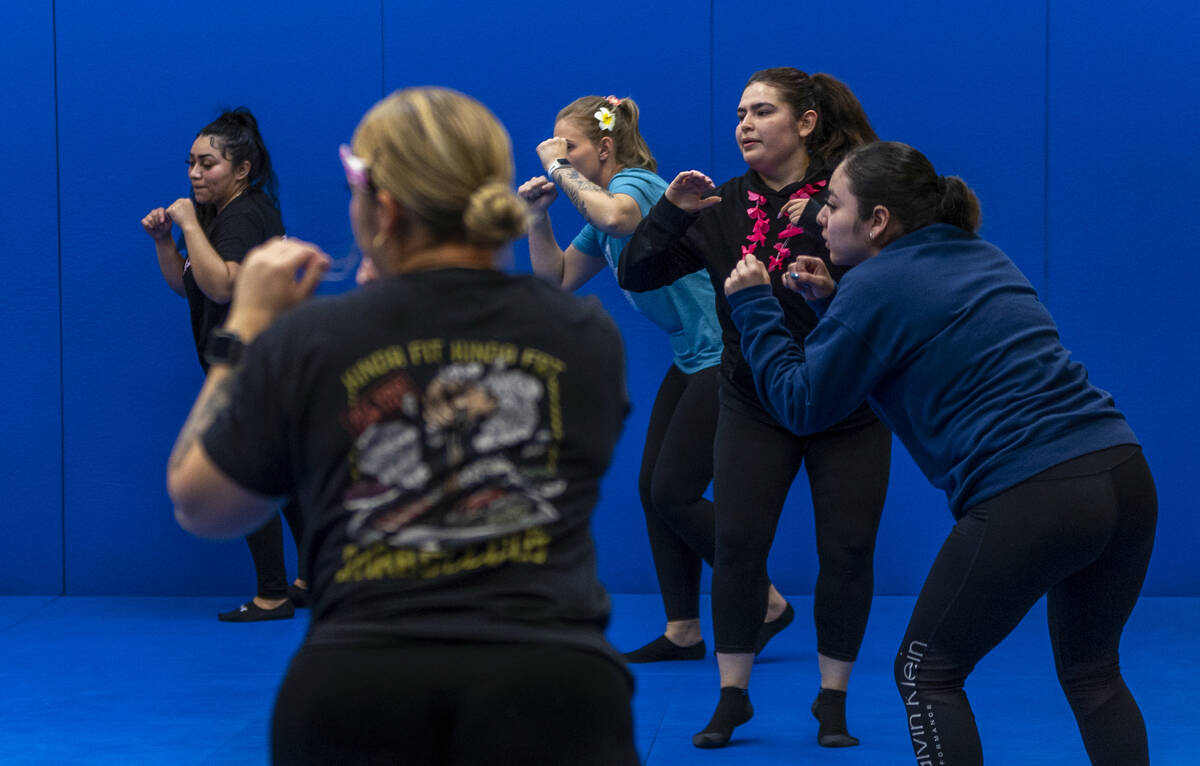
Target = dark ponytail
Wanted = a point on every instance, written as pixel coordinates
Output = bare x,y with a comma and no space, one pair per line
841,122
903,180
235,134
958,206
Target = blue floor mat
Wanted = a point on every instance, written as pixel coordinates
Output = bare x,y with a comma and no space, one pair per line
161,681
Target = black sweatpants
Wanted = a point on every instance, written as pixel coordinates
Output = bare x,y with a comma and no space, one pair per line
453,703
1081,534
755,463
266,550
677,467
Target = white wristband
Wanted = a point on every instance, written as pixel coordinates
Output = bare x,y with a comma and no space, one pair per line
557,164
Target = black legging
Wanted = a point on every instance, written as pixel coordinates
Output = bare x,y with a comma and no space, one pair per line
755,463
677,466
266,544
1080,532
266,550
450,703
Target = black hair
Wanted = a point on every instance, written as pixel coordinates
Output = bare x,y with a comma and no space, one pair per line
235,134
903,180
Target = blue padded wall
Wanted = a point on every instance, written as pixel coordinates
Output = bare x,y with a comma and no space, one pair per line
1072,121
30,360
527,74
133,93
1124,106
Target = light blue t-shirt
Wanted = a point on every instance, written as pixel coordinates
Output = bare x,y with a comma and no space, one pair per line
685,309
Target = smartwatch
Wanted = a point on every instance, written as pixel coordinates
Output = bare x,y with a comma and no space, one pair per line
224,347
558,164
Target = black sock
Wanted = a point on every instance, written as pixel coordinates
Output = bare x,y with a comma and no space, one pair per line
733,710
767,630
663,648
829,708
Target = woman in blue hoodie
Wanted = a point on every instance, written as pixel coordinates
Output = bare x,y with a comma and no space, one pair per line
945,338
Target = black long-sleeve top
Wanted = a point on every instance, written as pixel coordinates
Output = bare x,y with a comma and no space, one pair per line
670,243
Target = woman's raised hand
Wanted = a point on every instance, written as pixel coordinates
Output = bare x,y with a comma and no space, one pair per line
157,224
690,191
809,277
552,149
183,212
538,192
274,277
793,209
748,272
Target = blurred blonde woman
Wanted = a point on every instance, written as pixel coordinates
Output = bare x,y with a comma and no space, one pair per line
445,427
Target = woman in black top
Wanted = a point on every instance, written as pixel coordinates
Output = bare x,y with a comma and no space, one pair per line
792,129
445,429
234,206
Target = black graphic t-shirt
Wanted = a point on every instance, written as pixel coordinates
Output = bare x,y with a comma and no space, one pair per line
445,433
246,222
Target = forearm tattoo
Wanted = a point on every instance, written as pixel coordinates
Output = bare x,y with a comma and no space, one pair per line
203,414
574,184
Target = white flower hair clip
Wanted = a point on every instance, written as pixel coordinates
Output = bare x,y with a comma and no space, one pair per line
605,118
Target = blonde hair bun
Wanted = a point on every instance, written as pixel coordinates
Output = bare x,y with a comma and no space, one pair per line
447,159
495,215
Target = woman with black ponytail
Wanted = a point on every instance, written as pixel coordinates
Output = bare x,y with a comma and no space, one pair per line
234,207
941,333
792,129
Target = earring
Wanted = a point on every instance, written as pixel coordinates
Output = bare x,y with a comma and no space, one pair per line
379,240
870,236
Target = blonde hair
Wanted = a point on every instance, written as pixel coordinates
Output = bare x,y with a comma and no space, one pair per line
629,148
447,159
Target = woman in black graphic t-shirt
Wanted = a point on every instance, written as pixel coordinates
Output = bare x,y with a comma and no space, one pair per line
234,207
445,429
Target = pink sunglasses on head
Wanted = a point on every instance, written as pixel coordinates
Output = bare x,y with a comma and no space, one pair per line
357,173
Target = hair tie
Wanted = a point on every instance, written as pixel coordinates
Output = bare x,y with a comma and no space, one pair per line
613,100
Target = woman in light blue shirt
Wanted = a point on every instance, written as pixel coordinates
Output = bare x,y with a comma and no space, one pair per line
598,158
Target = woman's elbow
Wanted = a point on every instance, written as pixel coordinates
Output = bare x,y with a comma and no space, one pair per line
617,223
217,286
187,500
188,519
219,291
204,519
196,503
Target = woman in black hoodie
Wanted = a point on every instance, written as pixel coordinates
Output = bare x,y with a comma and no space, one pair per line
792,129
